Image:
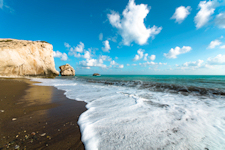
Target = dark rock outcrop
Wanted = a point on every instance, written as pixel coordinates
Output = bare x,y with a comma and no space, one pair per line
96,74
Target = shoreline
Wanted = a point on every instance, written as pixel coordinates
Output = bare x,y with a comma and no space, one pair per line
38,117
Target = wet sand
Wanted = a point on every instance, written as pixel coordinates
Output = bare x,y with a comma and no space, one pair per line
38,117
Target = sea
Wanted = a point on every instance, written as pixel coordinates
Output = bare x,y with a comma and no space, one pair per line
148,112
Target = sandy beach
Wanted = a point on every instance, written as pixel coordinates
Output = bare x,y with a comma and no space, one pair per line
37,117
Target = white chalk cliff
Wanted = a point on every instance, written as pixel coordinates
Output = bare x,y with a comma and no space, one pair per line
26,58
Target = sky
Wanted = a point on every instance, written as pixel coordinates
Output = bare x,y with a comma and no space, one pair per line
143,37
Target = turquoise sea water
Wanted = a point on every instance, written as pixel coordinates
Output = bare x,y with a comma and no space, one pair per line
199,84
148,111
186,80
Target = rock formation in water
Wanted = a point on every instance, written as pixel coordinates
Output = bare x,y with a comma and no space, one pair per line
26,58
96,74
67,70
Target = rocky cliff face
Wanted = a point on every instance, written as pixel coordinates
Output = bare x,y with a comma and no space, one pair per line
26,58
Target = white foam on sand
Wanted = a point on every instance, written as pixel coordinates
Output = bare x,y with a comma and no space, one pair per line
128,118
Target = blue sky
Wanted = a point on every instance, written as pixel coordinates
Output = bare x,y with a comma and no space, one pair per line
124,36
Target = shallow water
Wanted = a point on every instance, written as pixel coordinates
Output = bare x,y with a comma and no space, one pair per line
148,112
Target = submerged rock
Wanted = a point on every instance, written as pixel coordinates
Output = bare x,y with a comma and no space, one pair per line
96,74
26,58
67,70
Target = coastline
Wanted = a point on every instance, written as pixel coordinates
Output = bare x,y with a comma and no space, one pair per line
38,117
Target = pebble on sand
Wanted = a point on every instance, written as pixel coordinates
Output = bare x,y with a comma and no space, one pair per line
13,119
43,134
17,147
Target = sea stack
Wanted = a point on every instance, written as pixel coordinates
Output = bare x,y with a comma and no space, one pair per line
96,74
26,58
67,70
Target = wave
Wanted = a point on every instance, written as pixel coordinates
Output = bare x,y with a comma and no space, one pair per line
162,87
127,115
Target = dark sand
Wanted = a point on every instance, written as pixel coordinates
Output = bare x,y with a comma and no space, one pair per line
45,118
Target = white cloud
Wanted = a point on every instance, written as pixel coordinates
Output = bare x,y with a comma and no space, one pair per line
191,65
214,43
152,64
218,60
197,63
105,57
222,47
131,26
116,65
67,45
116,57
80,47
139,55
113,63
58,54
134,64
76,50
87,55
177,51
106,47
120,66
220,20
146,57
88,63
114,38
181,13
152,57
100,36
128,64
205,12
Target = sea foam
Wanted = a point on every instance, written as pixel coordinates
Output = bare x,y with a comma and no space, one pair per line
121,117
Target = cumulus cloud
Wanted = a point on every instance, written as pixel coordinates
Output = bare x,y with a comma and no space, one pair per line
181,13
128,64
214,43
113,63
100,36
131,26
220,20
218,60
151,64
116,58
106,47
120,66
197,63
152,57
87,55
177,51
58,54
222,47
88,63
206,10
75,51
146,57
80,47
191,65
139,55
105,57
67,45
116,65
